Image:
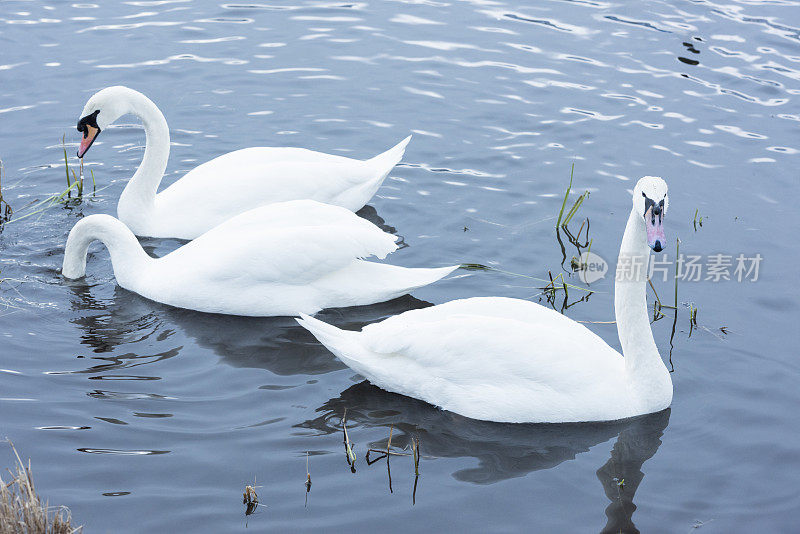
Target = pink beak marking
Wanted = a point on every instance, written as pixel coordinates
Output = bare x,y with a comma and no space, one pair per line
87,140
655,230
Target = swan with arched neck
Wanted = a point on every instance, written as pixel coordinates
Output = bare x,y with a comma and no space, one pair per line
228,184
282,259
511,360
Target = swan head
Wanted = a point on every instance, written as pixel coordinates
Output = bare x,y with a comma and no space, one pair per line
650,200
102,109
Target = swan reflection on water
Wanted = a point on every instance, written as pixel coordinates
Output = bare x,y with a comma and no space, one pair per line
277,344
503,450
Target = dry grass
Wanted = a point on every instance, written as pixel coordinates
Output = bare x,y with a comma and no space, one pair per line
22,510
249,499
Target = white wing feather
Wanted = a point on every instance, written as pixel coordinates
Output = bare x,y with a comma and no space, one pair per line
291,242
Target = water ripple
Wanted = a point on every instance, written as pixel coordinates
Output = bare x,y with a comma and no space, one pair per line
178,57
551,24
122,452
640,23
137,25
417,21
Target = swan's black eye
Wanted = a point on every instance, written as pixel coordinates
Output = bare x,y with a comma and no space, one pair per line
647,204
90,119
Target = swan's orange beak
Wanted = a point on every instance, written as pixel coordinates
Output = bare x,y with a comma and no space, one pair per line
89,135
89,128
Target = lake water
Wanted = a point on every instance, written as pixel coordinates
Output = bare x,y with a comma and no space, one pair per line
142,417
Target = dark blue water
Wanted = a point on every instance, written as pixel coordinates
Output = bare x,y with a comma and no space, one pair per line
143,417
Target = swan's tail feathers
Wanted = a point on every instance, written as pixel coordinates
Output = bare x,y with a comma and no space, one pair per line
391,157
420,276
375,172
367,282
340,342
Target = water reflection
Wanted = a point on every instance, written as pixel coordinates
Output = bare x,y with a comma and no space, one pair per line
503,451
371,214
278,344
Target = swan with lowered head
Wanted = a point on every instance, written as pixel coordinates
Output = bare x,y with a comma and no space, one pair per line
282,259
229,184
511,360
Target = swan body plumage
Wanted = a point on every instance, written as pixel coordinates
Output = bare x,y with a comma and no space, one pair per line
282,259
229,184
511,360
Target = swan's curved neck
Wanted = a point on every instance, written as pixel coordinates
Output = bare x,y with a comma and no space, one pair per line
630,303
138,199
127,256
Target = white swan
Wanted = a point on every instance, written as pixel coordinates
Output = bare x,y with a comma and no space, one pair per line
281,259
229,184
510,360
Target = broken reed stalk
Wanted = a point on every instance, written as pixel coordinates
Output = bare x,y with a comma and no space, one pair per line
308,475
658,305
566,194
66,161
249,495
22,510
657,314
250,500
575,207
551,285
697,222
49,202
351,456
78,179
574,210
415,452
549,282
675,307
481,267
677,264
5,213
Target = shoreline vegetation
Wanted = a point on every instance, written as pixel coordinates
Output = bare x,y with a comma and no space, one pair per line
22,510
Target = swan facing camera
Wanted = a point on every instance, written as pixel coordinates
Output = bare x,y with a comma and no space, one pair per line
591,267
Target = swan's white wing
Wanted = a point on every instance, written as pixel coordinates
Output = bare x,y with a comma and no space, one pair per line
276,171
291,214
490,358
499,336
288,243
251,177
